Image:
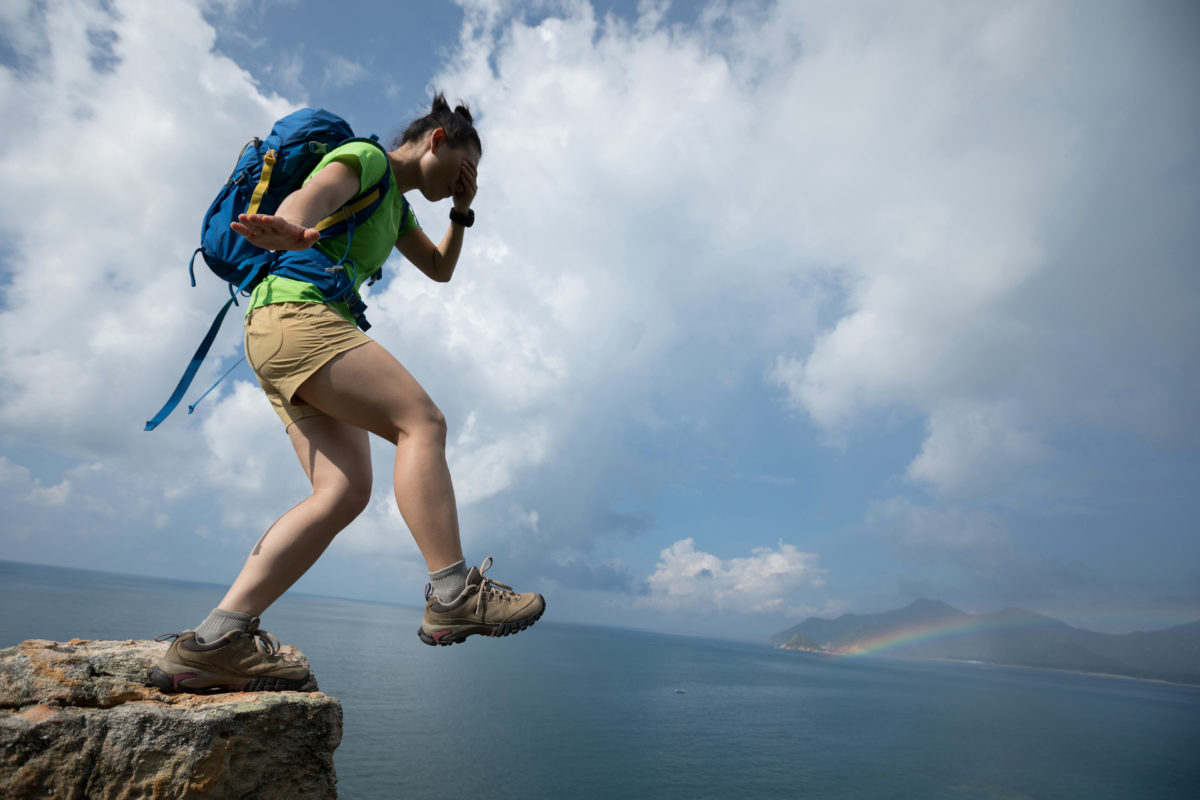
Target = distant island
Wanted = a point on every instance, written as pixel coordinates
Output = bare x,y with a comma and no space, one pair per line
799,642
930,629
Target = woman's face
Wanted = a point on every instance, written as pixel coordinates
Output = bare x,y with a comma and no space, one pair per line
441,167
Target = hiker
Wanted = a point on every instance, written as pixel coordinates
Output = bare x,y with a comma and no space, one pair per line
333,386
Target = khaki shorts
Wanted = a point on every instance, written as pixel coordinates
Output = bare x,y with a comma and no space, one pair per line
287,342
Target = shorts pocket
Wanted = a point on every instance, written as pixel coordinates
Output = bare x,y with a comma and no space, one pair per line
264,338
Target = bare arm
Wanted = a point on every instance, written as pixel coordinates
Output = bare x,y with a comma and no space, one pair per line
439,262
290,227
436,262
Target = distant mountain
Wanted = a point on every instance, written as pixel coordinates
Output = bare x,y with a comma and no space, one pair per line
932,629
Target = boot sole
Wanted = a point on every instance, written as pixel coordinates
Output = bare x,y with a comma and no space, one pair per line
199,682
453,635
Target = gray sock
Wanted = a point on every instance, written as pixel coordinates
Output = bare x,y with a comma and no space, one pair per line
448,583
220,622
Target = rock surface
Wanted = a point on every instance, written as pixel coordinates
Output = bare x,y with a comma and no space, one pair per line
78,721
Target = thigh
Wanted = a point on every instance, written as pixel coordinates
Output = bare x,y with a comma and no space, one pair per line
334,454
369,389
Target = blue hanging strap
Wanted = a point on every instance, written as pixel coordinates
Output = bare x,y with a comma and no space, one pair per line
192,407
192,266
192,367
190,373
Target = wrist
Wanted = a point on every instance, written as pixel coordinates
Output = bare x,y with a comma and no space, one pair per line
464,219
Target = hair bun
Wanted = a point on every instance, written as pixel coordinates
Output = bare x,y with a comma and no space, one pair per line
458,125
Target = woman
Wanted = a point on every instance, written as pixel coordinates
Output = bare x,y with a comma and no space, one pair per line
333,386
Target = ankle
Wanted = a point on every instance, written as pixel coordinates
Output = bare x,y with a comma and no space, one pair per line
449,583
220,622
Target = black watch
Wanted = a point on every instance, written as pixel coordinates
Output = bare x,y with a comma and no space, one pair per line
466,220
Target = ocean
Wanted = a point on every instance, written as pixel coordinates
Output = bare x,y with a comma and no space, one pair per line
573,711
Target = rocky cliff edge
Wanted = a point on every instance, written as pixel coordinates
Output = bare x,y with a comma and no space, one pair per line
77,720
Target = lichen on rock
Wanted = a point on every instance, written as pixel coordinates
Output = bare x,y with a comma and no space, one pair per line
78,720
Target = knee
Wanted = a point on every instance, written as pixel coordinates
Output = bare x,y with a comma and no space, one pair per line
436,424
428,424
356,498
347,501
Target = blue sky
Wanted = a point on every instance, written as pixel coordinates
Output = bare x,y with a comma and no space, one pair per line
771,310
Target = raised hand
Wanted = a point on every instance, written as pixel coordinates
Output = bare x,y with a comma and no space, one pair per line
464,189
275,233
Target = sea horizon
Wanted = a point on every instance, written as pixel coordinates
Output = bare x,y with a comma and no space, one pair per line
603,626
684,716
408,606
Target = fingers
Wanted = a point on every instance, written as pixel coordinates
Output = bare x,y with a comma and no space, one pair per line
274,233
466,187
265,222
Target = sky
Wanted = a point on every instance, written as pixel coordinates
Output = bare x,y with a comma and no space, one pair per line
771,310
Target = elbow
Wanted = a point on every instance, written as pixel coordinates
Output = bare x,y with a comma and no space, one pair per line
440,271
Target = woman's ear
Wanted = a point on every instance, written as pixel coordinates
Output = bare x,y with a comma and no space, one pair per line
436,138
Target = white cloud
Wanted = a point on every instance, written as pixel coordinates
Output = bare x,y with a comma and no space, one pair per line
99,318
483,469
243,437
862,212
990,562
975,446
87,514
287,72
979,540
126,147
965,300
614,259
926,207
686,579
51,495
341,72
380,532
250,465
19,486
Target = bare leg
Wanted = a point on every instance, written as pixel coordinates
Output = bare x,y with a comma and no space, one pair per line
337,459
369,389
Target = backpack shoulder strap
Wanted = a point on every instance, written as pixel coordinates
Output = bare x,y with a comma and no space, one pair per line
361,205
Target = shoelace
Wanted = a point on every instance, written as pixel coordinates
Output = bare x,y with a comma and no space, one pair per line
264,642
489,586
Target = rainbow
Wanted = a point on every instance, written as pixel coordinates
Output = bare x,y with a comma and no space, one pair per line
940,630
896,640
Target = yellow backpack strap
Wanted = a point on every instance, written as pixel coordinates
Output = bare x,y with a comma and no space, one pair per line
263,182
347,211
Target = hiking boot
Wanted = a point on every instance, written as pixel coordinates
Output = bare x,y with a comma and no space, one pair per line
485,607
239,661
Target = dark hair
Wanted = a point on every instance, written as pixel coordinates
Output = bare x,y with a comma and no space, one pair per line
458,125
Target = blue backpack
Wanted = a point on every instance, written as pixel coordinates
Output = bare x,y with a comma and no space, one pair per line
266,173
